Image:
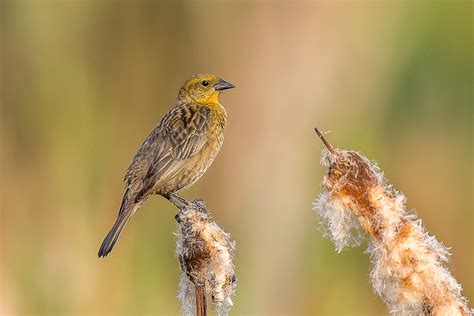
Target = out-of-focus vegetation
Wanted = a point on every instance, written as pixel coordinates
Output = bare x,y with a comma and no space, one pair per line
82,84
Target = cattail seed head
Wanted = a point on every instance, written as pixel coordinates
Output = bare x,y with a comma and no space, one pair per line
205,252
408,266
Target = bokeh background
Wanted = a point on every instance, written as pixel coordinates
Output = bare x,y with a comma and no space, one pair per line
83,83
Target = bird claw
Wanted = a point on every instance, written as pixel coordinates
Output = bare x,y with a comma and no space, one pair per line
199,203
178,218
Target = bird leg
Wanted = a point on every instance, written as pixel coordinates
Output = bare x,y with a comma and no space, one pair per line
177,200
181,203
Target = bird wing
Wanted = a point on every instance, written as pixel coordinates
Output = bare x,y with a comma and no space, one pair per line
180,135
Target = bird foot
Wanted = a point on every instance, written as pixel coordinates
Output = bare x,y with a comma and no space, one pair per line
199,203
181,203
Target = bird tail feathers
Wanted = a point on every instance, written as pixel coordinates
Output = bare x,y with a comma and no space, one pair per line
126,211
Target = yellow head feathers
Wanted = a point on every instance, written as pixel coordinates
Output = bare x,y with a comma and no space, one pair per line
204,89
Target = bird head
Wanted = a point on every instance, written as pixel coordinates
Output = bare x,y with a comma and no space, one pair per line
204,89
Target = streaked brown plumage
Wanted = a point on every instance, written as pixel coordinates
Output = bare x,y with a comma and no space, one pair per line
177,152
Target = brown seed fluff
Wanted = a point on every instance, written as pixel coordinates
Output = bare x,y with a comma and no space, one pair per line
408,266
205,252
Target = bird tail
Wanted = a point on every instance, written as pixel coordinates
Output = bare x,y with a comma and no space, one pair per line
126,211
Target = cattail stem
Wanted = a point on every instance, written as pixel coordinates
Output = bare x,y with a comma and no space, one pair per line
201,308
325,141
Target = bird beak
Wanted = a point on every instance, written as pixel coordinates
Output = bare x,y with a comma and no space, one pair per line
223,85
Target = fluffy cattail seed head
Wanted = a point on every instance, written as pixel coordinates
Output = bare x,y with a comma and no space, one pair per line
205,252
408,266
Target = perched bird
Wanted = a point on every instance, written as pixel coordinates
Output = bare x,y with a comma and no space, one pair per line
177,152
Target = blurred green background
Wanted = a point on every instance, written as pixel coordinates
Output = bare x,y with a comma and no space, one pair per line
83,83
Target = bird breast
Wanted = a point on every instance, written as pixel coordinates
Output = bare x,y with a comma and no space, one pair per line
198,164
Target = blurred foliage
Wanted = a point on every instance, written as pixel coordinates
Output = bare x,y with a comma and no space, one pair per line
83,82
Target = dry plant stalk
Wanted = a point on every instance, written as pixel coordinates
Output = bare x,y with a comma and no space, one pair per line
205,252
200,295
408,266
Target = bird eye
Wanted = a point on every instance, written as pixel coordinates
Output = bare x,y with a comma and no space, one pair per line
205,83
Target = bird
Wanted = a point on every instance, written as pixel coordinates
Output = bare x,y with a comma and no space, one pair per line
177,152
